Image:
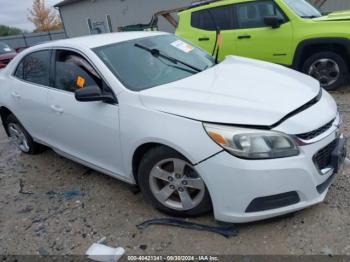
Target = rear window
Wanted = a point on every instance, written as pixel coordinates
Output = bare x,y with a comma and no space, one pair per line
212,19
4,49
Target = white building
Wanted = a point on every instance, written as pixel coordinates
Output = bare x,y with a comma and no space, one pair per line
83,17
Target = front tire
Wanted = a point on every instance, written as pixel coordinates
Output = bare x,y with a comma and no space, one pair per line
329,68
20,137
170,183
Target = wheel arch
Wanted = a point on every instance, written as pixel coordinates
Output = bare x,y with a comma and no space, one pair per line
309,47
4,113
140,152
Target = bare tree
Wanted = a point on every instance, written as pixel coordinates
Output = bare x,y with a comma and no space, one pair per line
44,18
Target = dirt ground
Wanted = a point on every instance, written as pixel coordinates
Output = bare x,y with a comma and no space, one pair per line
50,205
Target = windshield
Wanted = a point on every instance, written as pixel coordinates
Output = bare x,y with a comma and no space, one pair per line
4,49
148,62
303,8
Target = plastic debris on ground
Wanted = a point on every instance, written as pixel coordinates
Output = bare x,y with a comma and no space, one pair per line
102,253
68,194
226,231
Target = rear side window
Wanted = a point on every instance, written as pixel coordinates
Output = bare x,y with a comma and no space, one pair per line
212,19
252,14
35,68
19,71
72,72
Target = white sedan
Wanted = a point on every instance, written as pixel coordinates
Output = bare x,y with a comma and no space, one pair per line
247,139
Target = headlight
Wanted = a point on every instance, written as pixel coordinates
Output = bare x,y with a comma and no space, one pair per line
251,143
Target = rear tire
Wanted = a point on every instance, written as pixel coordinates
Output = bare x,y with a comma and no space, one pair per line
169,182
21,138
329,68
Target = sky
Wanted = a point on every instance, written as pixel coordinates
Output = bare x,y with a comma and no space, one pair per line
14,12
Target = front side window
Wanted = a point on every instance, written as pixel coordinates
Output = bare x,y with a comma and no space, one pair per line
212,19
252,14
72,72
139,69
35,68
303,8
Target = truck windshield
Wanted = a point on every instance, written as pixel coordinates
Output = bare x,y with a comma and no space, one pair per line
4,49
303,8
148,62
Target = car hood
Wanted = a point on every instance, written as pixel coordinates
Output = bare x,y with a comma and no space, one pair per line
237,91
335,16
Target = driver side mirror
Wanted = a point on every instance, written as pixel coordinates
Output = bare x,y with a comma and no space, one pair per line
273,21
93,94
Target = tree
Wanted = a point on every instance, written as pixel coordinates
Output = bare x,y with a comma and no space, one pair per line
7,30
44,18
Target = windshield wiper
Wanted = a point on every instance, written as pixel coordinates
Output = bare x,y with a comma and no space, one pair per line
158,53
310,16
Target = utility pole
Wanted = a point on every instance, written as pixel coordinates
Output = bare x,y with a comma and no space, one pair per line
319,3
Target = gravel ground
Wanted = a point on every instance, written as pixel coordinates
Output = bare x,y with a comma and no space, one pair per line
50,205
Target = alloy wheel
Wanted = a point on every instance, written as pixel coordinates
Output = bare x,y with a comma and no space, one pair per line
326,71
18,137
176,184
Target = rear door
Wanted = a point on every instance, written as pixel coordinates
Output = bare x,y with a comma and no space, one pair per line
205,24
29,93
257,40
87,131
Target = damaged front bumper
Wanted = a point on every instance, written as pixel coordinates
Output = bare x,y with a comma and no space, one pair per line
246,190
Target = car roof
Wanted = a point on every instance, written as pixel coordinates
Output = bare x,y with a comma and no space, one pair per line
94,41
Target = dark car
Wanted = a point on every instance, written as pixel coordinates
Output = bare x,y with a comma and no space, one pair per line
6,54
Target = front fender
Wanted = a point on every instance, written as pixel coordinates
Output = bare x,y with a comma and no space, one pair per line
298,55
140,125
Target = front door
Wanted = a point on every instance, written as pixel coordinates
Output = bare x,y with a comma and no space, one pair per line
87,131
204,27
258,41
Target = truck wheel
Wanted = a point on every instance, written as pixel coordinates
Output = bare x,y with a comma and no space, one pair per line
329,68
171,184
21,138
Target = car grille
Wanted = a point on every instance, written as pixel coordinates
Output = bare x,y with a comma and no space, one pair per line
317,132
323,158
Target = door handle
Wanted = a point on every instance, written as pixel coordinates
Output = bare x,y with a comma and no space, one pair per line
203,39
57,109
244,37
15,95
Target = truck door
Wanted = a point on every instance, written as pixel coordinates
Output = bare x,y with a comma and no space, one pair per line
257,40
200,27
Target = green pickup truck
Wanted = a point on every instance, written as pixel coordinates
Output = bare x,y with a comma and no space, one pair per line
293,33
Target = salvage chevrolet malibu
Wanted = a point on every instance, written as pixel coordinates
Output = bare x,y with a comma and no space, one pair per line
247,139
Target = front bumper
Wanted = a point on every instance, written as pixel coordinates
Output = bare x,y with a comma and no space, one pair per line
235,183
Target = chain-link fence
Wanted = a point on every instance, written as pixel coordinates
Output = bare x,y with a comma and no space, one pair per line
22,41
